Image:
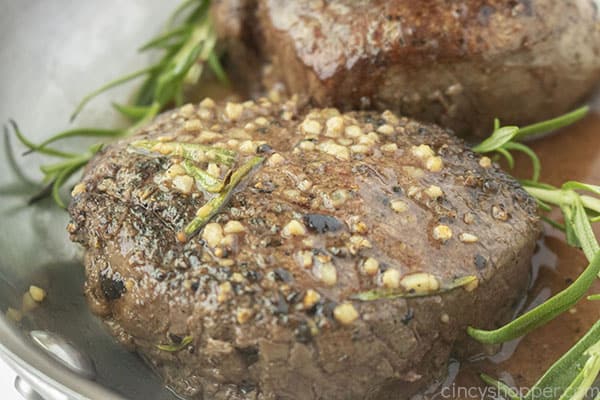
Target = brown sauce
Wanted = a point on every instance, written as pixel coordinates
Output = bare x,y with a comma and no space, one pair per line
572,154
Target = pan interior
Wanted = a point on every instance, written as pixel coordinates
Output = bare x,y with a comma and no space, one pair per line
52,54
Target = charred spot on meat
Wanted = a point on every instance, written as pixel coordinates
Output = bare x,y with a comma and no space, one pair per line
336,251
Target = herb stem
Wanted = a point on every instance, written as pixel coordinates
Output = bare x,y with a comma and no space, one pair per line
552,124
378,294
566,368
573,206
502,387
535,161
205,180
175,347
551,196
190,151
591,203
111,85
543,313
214,205
32,147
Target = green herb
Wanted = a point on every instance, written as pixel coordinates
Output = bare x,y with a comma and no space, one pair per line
543,313
502,387
573,374
505,139
174,347
197,153
204,179
499,138
579,233
569,377
213,206
576,209
190,151
378,294
186,48
553,124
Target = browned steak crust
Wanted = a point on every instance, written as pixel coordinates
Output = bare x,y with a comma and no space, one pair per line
343,204
458,64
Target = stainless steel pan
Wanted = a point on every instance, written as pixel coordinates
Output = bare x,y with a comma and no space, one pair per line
51,53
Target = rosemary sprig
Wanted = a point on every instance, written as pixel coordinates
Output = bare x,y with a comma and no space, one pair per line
579,233
544,312
208,182
378,294
214,205
186,48
504,139
190,151
502,387
573,374
175,347
568,378
549,125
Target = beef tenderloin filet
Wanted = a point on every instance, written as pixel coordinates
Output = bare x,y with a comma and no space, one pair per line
346,264
457,64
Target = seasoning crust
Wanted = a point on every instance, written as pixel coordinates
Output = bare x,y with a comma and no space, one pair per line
252,250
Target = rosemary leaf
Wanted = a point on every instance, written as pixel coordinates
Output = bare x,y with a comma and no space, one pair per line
566,368
214,206
35,148
166,38
553,223
204,179
502,387
58,167
543,313
569,215
506,154
190,151
61,179
110,85
552,124
591,203
175,347
12,162
132,112
542,205
500,137
181,8
586,377
535,161
564,377
79,132
167,82
215,66
573,185
583,230
378,294
537,185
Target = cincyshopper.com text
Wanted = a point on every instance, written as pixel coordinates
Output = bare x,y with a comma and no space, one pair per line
492,393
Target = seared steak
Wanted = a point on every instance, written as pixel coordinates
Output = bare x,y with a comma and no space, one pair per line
326,256
458,64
